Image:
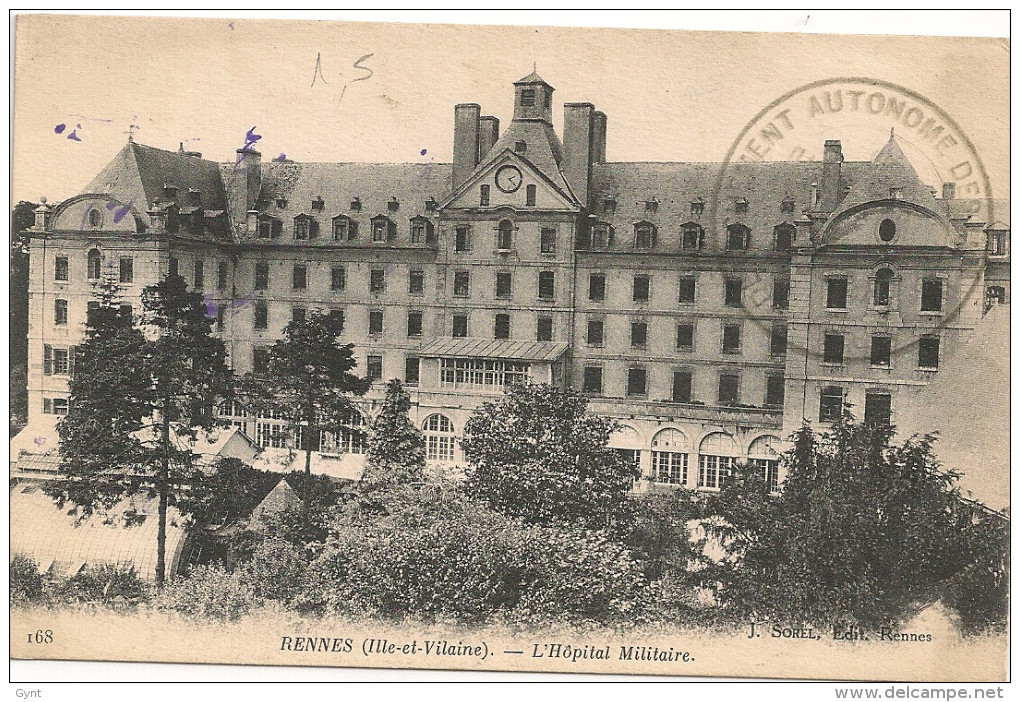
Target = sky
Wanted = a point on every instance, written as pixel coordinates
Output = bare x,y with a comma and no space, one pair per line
669,95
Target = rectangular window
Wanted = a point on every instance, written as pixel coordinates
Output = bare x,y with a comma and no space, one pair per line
835,293
683,386
483,196
375,322
775,390
460,325
878,408
414,323
546,285
669,467
261,276
595,332
504,285
300,277
505,236
931,295
175,268
261,315
642,286
127,270
729,389
219,318
833,350
502,326
545,329
461,283
688,288
734,288
61,362
731,338
881,350
60,312
222,271
60,268
416,282
685,336
298,314
597,287
463,239
485,374
337,278
781,293
530,195
199,274
259,358
374,367
412,370
380,229
59,405
830,407
928,352
778,341
644,236
637,381
593,379
377,280
548,241
638,334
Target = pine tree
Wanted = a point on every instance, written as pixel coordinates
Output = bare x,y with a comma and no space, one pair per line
108,405
396,448
308,381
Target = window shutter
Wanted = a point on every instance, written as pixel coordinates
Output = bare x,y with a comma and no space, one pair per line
70,360
352,230
277,228
610,236
47,406
47,360
391,230
313,229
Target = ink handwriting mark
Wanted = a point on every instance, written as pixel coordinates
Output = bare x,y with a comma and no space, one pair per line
318,70
357,64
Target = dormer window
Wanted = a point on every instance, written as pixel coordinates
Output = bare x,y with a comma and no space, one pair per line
521,147
697,206
644,235
787,205
305,227
95,218
738,237
693,237
383,229
740,207
609,205
281,203
785,235
431,204
356,205
528,97
652,205
268,227
344,229
421,230
601,235
998,242
393,205
895,193
318,204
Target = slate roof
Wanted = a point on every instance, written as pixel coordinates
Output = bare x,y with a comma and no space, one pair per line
492,348
280,499
531,78
338,184
544,150
675,185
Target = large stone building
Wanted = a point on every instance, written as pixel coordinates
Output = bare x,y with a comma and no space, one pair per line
710,307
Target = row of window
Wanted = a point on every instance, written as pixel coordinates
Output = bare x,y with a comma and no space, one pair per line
740,205
834,348
94,268
381,228
730,340
530,192
602,235
883,292
733,294
506,232
683,386
877,405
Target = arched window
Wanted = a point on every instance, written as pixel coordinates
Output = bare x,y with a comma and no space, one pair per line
785,235
439,438
883,287
95,264
887,230
763,456
996,295
95,218
738,237
505,240
669,457
717,454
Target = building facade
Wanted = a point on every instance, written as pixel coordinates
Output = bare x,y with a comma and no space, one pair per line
710,308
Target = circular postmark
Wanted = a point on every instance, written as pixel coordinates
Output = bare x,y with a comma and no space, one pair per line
863,114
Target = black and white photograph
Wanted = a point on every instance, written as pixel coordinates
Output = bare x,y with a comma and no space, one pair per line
500,348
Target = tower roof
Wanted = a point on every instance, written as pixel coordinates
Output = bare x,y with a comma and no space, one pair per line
531,79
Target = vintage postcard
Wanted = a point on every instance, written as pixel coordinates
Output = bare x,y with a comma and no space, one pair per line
506,348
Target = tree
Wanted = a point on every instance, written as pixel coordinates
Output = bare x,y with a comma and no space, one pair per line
22,218
538,454
188,372
308,381
396,447
862,531
109,402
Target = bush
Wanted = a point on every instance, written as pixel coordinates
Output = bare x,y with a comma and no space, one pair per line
442,557
27,584
104,583
980,593
276,570
209,591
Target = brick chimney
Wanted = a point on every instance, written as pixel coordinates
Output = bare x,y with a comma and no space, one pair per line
244,182
488,135
578,152
832,161
465,141
599,137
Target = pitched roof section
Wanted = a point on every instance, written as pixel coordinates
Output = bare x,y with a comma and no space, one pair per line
544,150
530,79
890,169
507,349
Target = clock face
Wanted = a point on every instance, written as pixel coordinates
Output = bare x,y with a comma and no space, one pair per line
509,179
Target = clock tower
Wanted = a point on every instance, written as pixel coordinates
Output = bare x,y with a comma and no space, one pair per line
533,99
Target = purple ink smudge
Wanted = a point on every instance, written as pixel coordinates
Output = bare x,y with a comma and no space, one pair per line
424,151
231,25
281,157
111,205
39,440
122,212
211,308
59,129
74,136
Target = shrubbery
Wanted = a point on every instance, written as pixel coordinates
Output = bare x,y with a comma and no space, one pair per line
209,591
103,584
27,585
